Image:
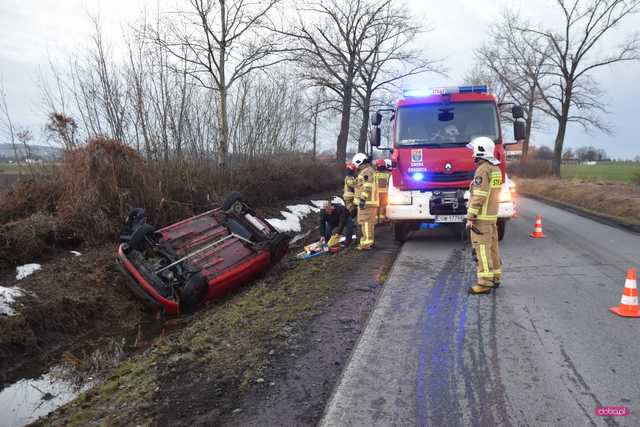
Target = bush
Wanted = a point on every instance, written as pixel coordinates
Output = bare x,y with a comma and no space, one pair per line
635,178
87,198
532,168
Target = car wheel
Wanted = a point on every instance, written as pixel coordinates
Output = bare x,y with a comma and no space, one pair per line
502,228
138,240
400,232
193,293
234,203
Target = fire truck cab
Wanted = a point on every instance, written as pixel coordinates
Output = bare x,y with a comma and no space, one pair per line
431,166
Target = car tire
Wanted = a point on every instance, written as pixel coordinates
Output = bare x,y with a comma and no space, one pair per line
193,293
138,239
502,228
400,232
233,203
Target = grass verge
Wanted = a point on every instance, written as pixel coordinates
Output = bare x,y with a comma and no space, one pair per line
612,202
203,368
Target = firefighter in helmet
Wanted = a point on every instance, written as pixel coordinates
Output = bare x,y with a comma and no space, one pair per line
348,193
366,201
482,215
381,186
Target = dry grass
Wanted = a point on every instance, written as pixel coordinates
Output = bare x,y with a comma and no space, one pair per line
609,198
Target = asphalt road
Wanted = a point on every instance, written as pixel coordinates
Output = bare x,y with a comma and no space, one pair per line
543,350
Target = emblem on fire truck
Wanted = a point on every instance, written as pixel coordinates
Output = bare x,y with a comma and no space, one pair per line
448,167
416,156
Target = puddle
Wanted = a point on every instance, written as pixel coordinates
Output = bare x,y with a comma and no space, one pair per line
27,400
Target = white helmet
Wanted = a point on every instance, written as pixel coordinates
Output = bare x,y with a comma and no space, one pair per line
360,159
388,163
483,148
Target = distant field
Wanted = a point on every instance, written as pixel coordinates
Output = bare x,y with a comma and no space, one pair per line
7,168
618,171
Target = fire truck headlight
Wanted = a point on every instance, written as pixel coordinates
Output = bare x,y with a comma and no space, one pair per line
508,192
398,197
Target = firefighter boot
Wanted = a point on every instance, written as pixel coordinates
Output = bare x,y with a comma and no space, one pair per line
366,220
479,290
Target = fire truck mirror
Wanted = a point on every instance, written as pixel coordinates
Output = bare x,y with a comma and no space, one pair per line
375,135
518,130
517,112
376,119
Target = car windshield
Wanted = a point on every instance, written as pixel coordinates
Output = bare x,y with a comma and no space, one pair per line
446,124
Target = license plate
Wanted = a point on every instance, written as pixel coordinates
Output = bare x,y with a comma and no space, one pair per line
450,218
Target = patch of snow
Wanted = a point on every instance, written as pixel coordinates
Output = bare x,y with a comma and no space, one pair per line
301,210
75,253
290,222
319,203
26,270
8,296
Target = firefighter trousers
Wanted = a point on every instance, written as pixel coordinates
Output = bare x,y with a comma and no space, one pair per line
484,238
367,218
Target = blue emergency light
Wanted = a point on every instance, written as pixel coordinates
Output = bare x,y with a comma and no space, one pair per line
419,93
418,176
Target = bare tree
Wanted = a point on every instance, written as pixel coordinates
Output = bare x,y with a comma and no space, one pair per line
518,62
571,94
221,41
7,123
330,36
387,57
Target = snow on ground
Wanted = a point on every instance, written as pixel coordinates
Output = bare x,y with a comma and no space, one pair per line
294,215
319,203
75,253
302,210
8,296
290,222
26,270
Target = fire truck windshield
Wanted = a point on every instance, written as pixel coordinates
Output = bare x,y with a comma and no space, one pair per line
446,124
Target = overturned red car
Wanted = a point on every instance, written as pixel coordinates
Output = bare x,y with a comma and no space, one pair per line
179,267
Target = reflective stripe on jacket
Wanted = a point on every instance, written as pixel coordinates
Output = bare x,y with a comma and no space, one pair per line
485,193
364,187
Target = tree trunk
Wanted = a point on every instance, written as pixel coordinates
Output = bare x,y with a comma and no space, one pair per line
364,126
223,130
343,136
315,131
527,134
562,129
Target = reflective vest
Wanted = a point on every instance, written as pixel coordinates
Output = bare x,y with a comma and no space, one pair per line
365,187
485,193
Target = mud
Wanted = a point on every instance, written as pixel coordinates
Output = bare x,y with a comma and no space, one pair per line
268,355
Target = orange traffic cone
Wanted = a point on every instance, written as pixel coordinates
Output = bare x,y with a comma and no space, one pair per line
537,232
629,302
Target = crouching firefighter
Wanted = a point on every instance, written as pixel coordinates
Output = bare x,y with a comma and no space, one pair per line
366,201
482,215
335,222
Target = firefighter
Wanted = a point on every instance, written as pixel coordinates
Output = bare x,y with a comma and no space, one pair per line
366,201
482,215
349,189
381,185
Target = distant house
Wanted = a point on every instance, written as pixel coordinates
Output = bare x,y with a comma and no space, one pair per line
513,152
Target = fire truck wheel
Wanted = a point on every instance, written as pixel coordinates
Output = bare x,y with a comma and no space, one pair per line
502,227
400,232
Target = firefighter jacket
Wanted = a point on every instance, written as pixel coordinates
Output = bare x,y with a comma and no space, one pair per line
348,193
381,183
365,190
485,193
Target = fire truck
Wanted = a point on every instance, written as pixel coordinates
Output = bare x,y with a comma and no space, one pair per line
431,166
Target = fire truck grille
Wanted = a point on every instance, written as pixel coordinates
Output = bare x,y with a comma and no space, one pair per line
455,176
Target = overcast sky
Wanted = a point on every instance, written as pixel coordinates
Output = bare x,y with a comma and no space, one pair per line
32,31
